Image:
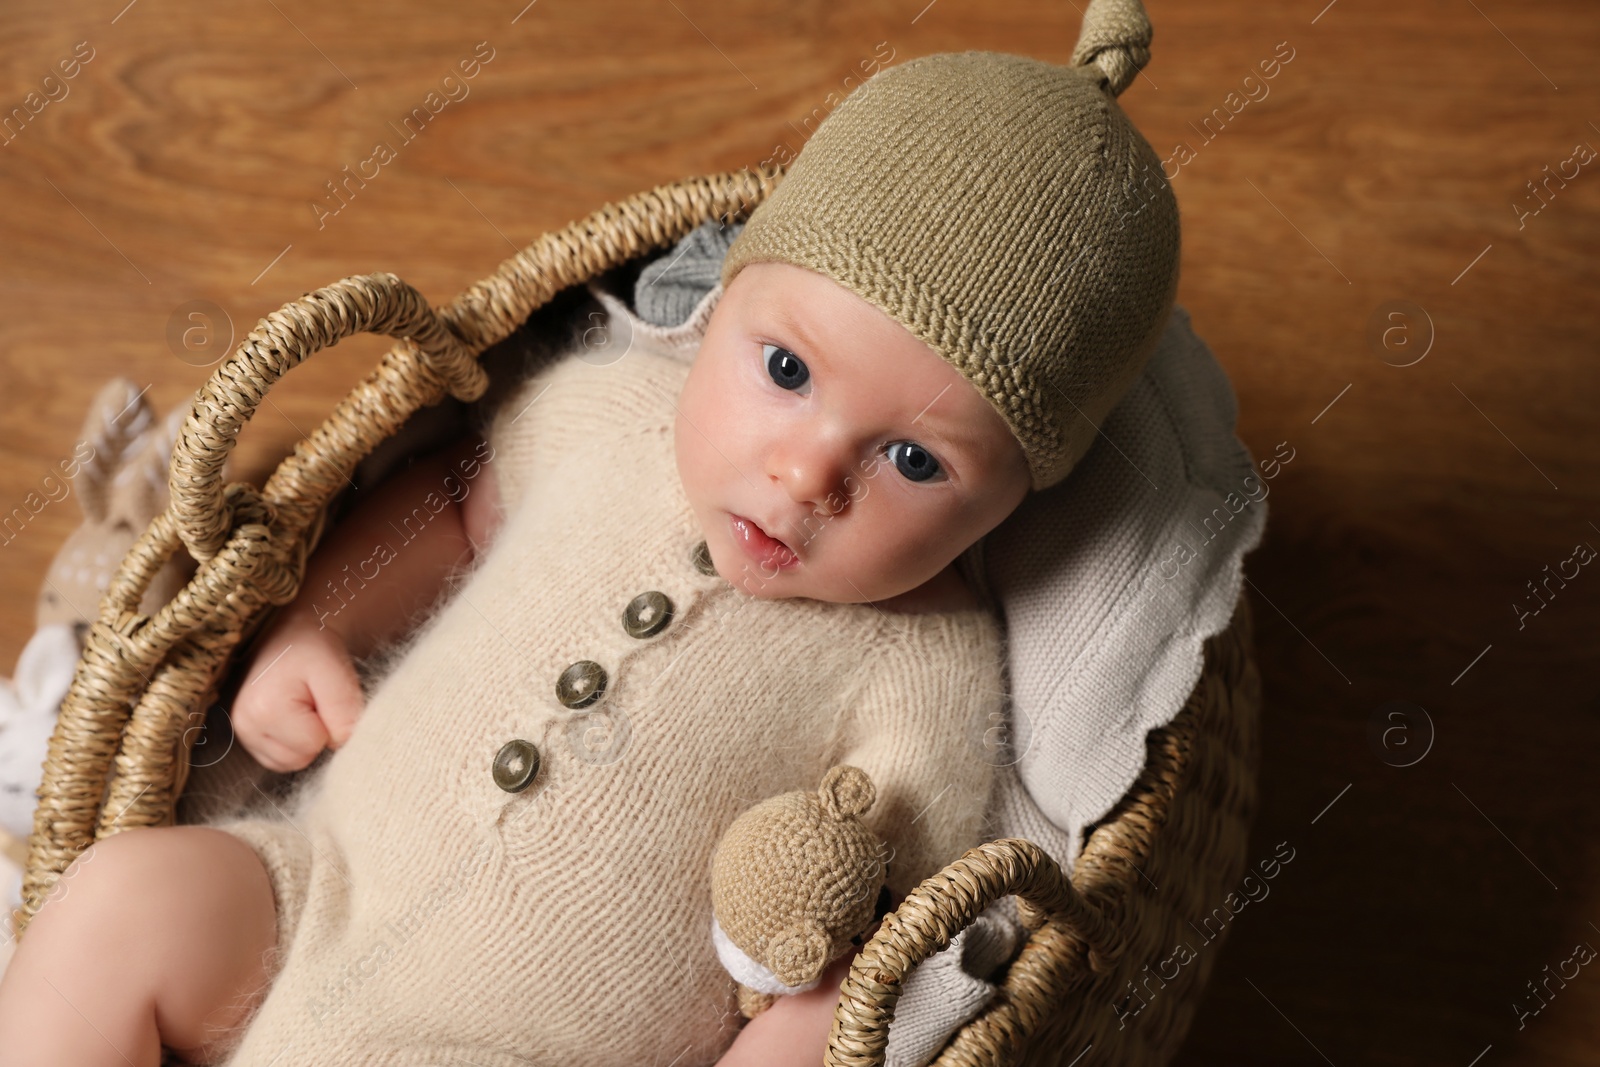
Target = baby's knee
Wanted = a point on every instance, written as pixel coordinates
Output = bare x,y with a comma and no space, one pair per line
89,883
176,918
140,882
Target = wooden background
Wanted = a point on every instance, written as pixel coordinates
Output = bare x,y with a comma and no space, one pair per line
1384,164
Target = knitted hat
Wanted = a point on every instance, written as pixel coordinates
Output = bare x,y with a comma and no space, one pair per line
1007,213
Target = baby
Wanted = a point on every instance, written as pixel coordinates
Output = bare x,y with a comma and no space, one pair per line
684,570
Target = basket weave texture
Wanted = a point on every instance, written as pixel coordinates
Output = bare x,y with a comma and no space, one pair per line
120,755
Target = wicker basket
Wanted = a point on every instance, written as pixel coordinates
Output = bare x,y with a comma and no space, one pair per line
119,757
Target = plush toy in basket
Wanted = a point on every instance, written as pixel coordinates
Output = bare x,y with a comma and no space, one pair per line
118,475
856,508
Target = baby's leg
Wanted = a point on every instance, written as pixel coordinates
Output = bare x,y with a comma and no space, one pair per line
155,935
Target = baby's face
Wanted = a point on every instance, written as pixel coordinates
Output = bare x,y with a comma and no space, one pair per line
827,452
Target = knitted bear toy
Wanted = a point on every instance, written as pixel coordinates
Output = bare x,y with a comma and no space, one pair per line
794,882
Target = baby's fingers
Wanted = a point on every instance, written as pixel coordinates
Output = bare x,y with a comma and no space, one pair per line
292,739
336,689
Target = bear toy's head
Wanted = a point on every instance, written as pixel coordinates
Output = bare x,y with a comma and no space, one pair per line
794,881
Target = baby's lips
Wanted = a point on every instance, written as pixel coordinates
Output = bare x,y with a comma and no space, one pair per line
755,539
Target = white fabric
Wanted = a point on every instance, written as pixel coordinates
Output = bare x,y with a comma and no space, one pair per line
746,970
1111,581
27,719
948,989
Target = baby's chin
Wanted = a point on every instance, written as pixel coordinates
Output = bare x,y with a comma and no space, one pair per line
786,584
797,583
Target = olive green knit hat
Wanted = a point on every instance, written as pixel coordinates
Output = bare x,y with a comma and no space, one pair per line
1006,212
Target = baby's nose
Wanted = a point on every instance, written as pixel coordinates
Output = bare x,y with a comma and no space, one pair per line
814,475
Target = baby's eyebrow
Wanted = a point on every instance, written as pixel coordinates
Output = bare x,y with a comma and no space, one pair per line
955,441
791,323
958,444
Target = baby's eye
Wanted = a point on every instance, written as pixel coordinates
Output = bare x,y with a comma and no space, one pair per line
914,461
785,367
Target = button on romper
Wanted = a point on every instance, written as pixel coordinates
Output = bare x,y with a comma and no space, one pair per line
509,860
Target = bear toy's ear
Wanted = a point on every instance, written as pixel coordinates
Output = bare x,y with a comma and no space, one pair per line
797,955
846,791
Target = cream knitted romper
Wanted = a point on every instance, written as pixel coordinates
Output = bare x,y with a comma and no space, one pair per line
427,915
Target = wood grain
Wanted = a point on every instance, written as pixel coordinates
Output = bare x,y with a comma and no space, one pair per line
1382,164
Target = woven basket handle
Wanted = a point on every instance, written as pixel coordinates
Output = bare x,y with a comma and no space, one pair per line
930,917
119,755
375,303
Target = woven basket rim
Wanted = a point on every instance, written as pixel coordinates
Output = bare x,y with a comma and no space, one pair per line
118,758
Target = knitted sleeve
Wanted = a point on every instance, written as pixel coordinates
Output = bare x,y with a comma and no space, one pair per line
917,726
513,435
601,382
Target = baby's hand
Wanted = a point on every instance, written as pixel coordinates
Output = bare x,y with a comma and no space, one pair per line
301,695
793,1032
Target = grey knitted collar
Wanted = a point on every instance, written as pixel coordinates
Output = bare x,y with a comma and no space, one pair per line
672,286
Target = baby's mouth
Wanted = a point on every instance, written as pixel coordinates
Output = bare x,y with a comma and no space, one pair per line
759,545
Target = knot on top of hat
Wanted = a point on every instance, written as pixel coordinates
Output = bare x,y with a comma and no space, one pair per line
1114,43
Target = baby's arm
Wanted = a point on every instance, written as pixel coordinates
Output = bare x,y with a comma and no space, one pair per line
912,730
794,1031
916,729
384,562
